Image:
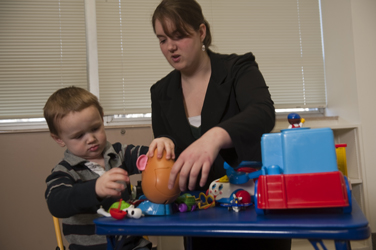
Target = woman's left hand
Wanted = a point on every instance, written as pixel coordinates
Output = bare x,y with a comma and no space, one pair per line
199,156
162,144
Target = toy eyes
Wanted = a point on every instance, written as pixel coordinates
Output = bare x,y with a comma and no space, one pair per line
220,187
135,213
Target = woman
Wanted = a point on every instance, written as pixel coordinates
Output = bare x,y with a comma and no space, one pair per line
216,107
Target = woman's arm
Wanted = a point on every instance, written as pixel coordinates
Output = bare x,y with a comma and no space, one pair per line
242,131
199,157
257,113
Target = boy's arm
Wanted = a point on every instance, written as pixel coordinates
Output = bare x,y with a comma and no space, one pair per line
66,197
131,154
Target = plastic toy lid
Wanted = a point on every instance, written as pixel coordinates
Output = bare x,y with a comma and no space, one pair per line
294,129
341,145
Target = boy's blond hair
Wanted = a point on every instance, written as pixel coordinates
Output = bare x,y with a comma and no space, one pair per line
66,100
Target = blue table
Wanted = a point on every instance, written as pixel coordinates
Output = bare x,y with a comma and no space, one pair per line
314,225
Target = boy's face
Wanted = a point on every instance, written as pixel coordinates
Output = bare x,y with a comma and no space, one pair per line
83,133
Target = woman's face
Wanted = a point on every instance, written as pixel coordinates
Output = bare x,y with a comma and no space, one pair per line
182,52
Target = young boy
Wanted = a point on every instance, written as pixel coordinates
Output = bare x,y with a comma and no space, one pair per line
93,171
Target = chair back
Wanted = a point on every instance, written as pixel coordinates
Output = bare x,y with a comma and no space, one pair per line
60,245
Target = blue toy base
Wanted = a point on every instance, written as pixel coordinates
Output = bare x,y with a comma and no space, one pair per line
149,208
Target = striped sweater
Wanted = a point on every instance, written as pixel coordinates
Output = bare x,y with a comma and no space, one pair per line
71,195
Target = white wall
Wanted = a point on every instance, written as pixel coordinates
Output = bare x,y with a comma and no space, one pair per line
364,26
349,28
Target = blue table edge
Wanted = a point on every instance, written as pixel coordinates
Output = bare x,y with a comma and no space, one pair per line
355,231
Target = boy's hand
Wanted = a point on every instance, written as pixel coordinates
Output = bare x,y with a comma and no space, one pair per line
110,183
162,143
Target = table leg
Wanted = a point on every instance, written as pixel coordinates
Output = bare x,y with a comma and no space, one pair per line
315,242
188,243
111,241
342,245
115,242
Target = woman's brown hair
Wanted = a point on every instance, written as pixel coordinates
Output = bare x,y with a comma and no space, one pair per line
185,15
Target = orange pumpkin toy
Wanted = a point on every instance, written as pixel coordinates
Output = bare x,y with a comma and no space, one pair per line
155,175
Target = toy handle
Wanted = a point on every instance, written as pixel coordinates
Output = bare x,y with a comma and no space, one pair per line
270,170
255,175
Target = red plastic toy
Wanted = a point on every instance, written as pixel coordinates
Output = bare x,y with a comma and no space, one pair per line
302,191
117,213
300,171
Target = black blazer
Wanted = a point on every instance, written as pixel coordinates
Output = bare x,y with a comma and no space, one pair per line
237,100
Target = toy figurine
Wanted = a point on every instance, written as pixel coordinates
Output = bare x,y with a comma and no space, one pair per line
224,192
236,203
295,120
155,175
235,190
154,183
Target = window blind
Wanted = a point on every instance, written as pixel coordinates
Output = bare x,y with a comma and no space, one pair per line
129,57
285,37
42,48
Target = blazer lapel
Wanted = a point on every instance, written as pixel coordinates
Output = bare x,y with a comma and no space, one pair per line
215,103
217,94
174,110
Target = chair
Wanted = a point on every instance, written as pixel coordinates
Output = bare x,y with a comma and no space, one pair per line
60,245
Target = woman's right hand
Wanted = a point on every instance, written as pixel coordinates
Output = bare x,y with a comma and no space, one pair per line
199,157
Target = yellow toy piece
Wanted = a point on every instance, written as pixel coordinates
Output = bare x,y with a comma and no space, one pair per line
224,179
341,158
206,204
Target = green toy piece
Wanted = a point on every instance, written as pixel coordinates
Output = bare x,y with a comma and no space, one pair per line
186,202
123,205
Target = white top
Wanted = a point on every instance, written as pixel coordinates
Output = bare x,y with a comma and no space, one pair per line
95,167
195,121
